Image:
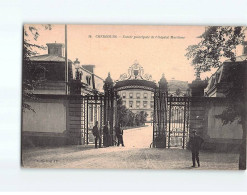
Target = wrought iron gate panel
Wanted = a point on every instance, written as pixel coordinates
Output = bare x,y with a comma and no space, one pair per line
95,112
178,121
84,111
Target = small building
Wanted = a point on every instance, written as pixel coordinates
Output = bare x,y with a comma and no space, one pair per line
178,88
50,121
218,82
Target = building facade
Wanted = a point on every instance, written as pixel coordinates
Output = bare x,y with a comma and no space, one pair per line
137,90
218,83
138,100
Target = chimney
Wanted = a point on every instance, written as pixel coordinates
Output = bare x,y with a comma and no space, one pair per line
56,49
90,68
244,47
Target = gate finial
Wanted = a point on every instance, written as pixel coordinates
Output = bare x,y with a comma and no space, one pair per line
108,79
163,83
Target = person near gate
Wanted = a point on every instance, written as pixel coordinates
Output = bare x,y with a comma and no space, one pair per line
195,144
106,140
96,135
119,134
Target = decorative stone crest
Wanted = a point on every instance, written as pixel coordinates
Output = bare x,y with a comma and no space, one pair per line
135,72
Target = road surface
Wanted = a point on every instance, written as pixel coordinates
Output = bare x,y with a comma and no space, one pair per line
135,155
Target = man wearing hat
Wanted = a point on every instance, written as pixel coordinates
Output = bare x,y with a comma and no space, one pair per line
195,146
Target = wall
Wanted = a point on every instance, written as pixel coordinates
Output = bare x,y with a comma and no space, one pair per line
217,137
216,129
48,117
45,127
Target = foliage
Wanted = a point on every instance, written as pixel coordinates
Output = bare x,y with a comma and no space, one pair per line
217,43
30,74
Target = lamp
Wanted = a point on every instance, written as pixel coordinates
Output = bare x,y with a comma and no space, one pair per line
77,66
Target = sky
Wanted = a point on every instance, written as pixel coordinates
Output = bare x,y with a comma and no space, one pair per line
114,48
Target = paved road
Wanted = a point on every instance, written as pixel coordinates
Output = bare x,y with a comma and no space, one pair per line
135,155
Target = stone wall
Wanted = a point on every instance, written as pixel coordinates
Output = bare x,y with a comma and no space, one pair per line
217,137
46,125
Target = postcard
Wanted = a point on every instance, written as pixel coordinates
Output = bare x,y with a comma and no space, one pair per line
134,97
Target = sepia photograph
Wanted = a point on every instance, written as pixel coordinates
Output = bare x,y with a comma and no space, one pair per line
133,97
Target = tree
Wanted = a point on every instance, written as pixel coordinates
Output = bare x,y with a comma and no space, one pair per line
125,116
143,117
218,44
30,74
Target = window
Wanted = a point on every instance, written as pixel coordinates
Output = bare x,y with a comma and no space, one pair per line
88,78
137,104
138,95
151,104
145,95
131,104
40,73
131,95
145,103
124,95
91,113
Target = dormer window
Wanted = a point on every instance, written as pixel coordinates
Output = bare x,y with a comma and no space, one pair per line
88,79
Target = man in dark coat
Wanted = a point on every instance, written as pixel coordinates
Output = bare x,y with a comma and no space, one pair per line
96,134
195,143
119,134
106,134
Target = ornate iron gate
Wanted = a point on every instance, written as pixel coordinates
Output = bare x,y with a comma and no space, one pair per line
178,121
170,120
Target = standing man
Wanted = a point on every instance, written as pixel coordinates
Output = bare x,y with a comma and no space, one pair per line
195,146
96,134
106,135
119,134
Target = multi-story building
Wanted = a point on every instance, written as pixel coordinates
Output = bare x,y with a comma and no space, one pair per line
138,100
137,90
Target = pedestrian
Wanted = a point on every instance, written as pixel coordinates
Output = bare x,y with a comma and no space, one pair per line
96,135
119,134
195,144
106,134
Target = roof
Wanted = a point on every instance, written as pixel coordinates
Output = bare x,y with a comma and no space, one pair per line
239,58
48,58
175,84
135,82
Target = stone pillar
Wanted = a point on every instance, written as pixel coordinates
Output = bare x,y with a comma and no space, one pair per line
161,106
74,113
197,87
198,117
109,105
